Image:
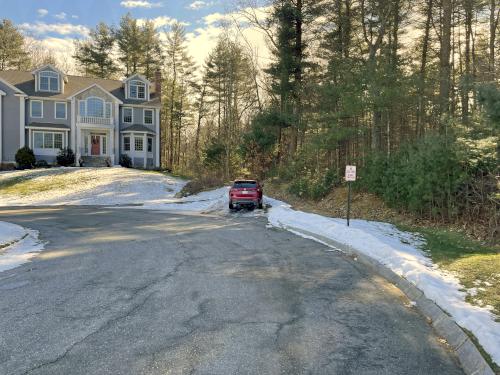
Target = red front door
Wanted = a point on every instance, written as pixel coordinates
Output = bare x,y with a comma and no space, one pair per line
95,148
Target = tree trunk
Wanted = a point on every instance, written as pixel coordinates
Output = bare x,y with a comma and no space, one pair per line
444,60
493,32
422,73
465,89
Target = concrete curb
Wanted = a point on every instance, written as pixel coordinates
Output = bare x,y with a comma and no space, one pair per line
468,355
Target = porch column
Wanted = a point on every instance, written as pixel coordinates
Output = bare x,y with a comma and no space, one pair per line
1,133
145,149
78,144
157,139
22,121
30,137
73,126
111,145
116,130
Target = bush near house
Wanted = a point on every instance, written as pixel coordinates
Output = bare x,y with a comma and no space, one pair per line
125,161
66,157
25,158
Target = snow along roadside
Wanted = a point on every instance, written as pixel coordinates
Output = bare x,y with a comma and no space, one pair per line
399,251
17,245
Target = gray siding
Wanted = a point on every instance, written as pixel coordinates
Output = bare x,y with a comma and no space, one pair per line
10,124
49,115
138,117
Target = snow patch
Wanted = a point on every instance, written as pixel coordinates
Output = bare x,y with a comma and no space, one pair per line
21,245
400,251
94,187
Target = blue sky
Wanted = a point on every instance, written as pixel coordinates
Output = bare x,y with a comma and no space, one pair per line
87,13
53,25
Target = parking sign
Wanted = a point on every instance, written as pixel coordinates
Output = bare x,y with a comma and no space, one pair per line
350,173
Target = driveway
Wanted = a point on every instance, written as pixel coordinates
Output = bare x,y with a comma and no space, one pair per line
138,292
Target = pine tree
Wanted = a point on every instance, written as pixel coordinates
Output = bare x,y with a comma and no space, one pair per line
12,51
129,42
93,55
152,55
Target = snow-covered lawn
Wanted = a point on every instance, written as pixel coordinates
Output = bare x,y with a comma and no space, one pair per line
86,186
17,245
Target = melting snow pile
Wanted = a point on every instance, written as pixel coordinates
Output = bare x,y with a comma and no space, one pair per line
17,245
400,252
397,250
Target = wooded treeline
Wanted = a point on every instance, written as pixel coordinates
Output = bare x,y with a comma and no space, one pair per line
407,90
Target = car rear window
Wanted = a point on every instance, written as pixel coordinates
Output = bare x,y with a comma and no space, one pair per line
244,184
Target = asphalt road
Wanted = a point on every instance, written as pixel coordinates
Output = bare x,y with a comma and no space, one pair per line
138,292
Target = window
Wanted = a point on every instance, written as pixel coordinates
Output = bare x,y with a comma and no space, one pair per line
48,140
49,81
128,115
126,143
108,110
38,140
137,90
104,144
139,144
95,107
148,117
150,144
36,109
82,107
58,140
60,110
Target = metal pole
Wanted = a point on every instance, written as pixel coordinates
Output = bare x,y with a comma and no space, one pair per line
349,203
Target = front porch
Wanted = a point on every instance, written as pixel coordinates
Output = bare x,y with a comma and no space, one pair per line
95,146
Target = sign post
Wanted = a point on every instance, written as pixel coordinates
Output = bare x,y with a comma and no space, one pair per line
350,175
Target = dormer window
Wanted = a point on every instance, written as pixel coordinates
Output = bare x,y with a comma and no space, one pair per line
49,81
137,90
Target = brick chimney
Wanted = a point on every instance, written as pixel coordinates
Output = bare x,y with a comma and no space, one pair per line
158,80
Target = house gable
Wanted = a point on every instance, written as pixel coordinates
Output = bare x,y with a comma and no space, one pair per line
49,79
134,85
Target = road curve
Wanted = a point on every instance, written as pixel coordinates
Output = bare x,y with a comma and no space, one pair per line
139,292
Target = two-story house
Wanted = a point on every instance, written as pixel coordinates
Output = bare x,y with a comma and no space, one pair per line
100,119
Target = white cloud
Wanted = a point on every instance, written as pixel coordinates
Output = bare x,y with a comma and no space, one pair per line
162,21
42,12
204,39
74,16
60,16
140,4
199,4
42,28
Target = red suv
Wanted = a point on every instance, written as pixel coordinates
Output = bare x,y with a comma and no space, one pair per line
245,193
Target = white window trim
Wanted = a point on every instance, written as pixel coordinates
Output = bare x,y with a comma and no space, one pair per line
43,132
65,111
85,107
144,116
123,115
31,108
129,143
152,145
146,90
40,81
141,138
103,106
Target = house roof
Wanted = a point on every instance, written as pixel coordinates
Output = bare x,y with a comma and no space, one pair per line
25,82
48,125
138,128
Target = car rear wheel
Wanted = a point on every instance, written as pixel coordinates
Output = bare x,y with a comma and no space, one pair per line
261,205
231,207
